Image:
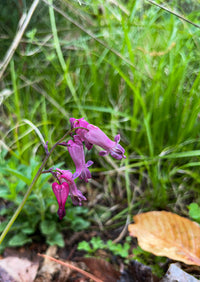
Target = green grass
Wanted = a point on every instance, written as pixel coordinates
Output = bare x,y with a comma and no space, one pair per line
131,69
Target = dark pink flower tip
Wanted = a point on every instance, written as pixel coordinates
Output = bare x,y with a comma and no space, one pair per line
97,137
76,195
85,173
61,192
61,213
117,151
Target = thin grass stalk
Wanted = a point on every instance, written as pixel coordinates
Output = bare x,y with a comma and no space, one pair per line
17,105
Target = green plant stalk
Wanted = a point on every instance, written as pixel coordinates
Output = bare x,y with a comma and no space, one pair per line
19,209
128,190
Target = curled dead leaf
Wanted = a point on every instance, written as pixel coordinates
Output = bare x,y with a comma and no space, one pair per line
168,234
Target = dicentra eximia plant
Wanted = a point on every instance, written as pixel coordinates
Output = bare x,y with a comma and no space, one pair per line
81,133
90,135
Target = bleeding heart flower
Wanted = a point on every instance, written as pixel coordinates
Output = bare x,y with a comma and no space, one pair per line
61,192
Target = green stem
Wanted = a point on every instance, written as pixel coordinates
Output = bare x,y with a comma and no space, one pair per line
128,189
17,212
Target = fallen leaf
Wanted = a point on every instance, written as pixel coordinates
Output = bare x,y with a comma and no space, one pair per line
168,234
19,269
4,276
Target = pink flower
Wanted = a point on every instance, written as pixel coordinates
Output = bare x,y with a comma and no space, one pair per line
75,194
95,136
61,192
77,154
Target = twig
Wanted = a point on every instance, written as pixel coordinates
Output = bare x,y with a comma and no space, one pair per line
124,231
85,273
172,12
18,36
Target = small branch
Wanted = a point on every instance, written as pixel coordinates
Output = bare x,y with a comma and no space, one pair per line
124,231
174,13
85,273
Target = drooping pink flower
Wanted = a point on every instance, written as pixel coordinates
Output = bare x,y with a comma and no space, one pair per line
61,192
95,136
117,151
75,194
76,152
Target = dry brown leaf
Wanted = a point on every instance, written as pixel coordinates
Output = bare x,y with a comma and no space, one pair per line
168,234
20,269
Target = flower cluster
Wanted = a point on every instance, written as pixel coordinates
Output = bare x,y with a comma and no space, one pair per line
89,135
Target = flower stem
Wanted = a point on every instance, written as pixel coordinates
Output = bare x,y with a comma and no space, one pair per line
17,212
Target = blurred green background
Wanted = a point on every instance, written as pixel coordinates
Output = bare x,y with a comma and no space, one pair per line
128,67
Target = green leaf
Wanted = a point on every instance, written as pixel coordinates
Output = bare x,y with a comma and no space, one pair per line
194,211
80,210
79,224
111,246
28,230
97,243
3,211
48,227
56,239
4,193
85,246
118,249
19,175
19,240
